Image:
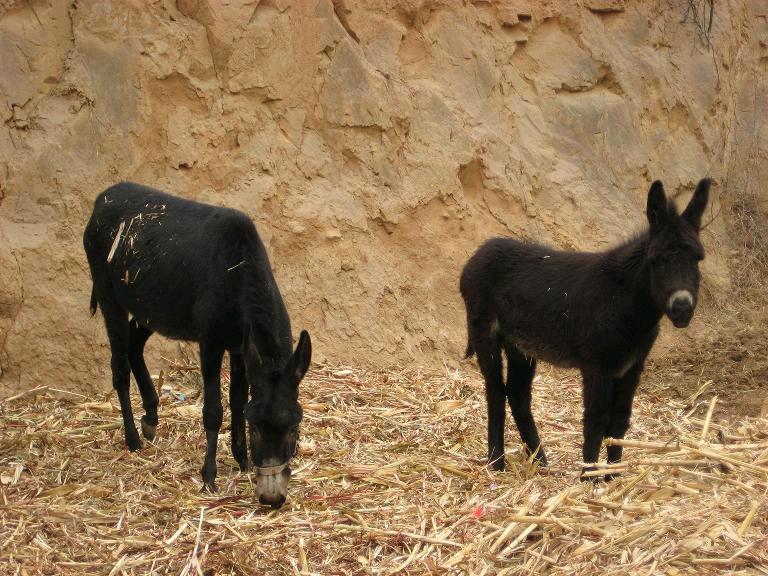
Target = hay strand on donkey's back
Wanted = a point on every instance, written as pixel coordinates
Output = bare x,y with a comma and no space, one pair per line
116,242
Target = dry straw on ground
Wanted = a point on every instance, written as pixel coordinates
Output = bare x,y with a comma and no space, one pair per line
389,481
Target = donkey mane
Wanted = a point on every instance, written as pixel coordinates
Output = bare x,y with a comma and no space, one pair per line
629,254
263,306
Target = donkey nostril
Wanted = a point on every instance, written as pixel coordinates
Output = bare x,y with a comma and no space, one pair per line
680,312
681,307
275,502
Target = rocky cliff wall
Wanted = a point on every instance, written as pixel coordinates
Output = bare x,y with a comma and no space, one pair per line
375,143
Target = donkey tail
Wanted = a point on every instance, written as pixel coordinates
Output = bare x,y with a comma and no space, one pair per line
94,301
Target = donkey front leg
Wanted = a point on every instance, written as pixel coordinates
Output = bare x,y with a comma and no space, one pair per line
211,355
238,397
597,416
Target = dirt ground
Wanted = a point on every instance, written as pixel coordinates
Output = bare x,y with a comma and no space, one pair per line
389,479
728,359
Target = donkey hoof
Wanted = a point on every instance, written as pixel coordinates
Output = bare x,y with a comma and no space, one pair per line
209,488
149,430
208,473
540,457
609,477
132,440
594,478
497,465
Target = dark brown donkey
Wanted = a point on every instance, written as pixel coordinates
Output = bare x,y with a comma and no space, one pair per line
196,272
598,312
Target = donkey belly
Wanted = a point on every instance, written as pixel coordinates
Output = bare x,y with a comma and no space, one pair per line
171,319
552,351
182,310
188,327
157,323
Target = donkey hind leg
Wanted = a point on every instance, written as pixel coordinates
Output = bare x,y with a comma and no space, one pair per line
137,338
597,416
238,396
116,321
488,350
211,355
520,371
621,411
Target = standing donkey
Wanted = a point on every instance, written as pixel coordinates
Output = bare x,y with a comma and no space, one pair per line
196,272
598,312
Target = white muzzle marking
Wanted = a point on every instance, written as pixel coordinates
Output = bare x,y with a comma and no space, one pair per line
272,481
680,295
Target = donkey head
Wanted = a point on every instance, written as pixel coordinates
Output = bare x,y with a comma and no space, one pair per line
273,416
674,252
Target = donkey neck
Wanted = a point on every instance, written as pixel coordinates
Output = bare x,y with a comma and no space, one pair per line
263,308
630,268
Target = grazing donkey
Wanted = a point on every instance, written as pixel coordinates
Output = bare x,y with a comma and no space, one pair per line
196,272
598,312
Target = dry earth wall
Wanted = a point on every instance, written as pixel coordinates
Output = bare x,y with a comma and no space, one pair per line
375,143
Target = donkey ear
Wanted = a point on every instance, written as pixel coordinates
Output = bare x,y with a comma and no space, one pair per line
695,209
657,210
300,359
250,349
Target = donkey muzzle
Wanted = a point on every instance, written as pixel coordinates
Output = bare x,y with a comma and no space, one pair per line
272,484
680,308
275,502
